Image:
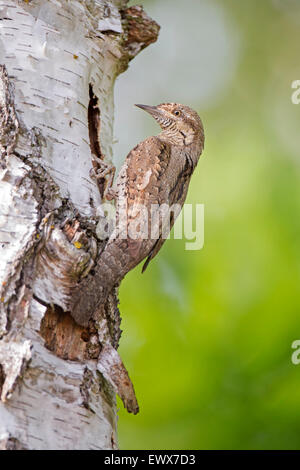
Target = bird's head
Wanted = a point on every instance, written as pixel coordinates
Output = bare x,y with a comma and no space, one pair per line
180,124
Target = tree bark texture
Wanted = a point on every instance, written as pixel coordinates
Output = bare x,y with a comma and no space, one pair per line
59,61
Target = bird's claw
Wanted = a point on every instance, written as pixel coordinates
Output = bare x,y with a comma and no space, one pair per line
99,171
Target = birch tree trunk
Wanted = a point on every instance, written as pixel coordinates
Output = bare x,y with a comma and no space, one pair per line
59,60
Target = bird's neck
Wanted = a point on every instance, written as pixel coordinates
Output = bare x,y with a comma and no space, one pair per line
171,138
187,141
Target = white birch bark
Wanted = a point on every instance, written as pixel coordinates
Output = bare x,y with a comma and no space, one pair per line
59,60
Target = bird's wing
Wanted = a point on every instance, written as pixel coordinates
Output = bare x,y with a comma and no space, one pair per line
140,185
157,246
177,195
146,164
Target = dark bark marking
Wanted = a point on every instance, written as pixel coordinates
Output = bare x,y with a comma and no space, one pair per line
2,378
94,124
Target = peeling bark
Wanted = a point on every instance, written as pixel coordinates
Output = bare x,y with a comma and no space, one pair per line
59,62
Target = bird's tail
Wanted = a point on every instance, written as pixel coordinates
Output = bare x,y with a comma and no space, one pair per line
92,292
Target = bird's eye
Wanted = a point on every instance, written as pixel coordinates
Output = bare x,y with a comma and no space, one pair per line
177,113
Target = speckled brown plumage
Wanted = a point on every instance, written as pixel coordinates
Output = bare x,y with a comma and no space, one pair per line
157,171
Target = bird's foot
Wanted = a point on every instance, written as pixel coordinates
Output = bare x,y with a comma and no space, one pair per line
99,171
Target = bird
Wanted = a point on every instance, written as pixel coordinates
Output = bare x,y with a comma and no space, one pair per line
156,173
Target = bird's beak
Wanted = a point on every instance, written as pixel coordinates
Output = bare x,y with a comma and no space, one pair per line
153,110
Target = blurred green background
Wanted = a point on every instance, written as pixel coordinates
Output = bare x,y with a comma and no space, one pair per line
207,334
